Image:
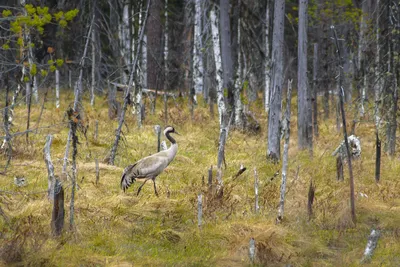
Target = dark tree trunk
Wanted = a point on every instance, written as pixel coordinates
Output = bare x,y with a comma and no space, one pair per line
154,47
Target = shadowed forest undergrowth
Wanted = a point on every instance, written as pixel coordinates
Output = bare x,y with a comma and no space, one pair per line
120,229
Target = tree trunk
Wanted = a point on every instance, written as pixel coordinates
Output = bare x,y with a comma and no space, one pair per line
198,70
315,88
362,65
220,94
304,118
93,40
285,154
274,115
238,82
154,49
57,88
226,50
267,61
125,40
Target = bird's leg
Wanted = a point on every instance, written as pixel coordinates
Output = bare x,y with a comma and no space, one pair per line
140,188
155,189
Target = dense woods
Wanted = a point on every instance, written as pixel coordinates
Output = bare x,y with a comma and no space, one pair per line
304,94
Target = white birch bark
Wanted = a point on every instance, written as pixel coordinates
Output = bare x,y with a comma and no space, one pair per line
57,72
267,70
285,154
218,64
138,98
197,54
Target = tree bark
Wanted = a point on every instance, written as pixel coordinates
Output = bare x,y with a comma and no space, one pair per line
226,50
315,88
285,154
267,61
304,118
274,115
198,70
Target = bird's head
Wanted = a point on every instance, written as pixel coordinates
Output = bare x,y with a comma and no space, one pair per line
169,130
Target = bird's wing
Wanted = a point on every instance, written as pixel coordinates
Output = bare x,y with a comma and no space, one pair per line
148,167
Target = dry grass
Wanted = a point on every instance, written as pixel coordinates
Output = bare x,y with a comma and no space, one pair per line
117,229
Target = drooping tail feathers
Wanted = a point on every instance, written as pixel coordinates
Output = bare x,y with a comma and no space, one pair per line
128,177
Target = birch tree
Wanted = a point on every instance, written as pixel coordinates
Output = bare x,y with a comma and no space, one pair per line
304,120
361,55
220,92
274,115
125,39
198,70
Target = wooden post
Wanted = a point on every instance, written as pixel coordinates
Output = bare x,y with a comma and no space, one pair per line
252,249
378,158
199,209
256,206
339,168
97,171
57,216
157,128
311,194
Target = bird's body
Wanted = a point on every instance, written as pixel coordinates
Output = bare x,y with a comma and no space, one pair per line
150,167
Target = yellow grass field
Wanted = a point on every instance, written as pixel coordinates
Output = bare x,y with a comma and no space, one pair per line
113,228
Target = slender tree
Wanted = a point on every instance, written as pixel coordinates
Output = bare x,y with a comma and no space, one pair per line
274,115
304,118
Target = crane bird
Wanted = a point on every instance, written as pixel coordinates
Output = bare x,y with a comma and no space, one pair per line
150,167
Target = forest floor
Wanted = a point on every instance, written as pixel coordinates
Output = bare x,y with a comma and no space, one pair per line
113,228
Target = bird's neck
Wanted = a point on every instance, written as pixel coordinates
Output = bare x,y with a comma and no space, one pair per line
170,138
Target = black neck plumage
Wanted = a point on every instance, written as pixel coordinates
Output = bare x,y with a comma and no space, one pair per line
170,138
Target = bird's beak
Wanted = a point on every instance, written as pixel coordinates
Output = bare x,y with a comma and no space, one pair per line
177,133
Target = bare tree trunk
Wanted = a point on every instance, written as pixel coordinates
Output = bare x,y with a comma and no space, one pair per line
311,194
127,91
93,41
256,206
125,39
49,165
57,216
378,92
274,115
341,102
362,68
238,82
226,50
198,70
285,154
6,145
304,118
315,87
267,62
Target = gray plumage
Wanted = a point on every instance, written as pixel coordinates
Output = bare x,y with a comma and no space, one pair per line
150,167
